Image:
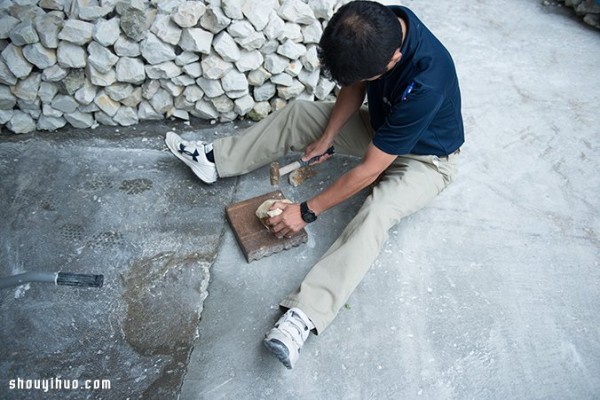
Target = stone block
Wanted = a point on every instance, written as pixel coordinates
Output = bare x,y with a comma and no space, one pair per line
39,56
21,122
24,33
70,55
188,13
16,61
106,32
226,47
130,70
165,29
48,26
100,57
76,32
196,40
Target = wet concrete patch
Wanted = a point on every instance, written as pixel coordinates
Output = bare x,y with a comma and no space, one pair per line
120,205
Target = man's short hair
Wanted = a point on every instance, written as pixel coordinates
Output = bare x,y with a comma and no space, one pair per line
359,42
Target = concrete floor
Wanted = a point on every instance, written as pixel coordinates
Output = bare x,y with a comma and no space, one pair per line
492,292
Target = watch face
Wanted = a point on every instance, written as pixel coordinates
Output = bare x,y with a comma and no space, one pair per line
309,217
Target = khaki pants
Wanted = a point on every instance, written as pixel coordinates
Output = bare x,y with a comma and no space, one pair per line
408,185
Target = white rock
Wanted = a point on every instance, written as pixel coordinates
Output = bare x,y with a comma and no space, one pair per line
7,24
167,6
7,99
106,32
277,103
126,116
173,89
214,20
225,46
48,26
296,11
322,9
193,69
119,91
99,79
5,116
187,57
165,29
249,60
6,76
134,98
233,8
54,74
214,67
291,91
196,40
27,89
270,47
48,123
193,93
294,68
149,89
260,111
188,13
236,94
162,101
275,64
222,104
243,105
155,51
64,103
48,111
76,32
130,70
310,79
126,47
264,92
258,77
100,57
234,81
93,12
70,55
205,110
86,94
88,108
258,12
324,87
164,70
291,31
47,91
275,27
253,41
147,112
21,122
183,80
291,50
240,29
33,108
80,119
178,113
310,59
211,87
39,56
24,33
282,79
312,33
103,119
15,61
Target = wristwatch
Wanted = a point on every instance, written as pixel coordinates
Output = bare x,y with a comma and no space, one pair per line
308,215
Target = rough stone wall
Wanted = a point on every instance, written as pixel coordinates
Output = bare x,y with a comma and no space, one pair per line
110,62
588,9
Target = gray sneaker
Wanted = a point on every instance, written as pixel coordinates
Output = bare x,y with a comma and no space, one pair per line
193,154
287,337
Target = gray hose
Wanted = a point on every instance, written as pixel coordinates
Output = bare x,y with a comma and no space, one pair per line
27,277
58,278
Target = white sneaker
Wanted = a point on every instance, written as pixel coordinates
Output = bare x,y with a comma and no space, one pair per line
193,154
287,337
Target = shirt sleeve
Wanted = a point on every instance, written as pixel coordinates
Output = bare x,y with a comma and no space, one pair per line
408,118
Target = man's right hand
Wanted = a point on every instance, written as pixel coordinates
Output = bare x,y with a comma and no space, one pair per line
316,149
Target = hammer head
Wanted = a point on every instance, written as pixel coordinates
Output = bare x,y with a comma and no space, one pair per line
274,173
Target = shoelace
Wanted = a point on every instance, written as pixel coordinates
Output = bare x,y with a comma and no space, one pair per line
299,330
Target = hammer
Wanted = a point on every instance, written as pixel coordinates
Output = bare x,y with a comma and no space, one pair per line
276,172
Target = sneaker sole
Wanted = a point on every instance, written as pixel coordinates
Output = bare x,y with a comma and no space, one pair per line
172,143
279,350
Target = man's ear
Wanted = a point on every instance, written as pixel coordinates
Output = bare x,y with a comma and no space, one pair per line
396,56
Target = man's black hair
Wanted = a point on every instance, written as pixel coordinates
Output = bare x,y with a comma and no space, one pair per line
359,41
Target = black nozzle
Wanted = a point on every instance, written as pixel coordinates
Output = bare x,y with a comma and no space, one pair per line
81,280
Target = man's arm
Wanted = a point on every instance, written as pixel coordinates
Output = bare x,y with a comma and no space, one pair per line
348,102
373,164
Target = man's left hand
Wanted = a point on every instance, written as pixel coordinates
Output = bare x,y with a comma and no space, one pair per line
288,222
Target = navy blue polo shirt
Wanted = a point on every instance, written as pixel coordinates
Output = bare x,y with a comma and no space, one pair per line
415,107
